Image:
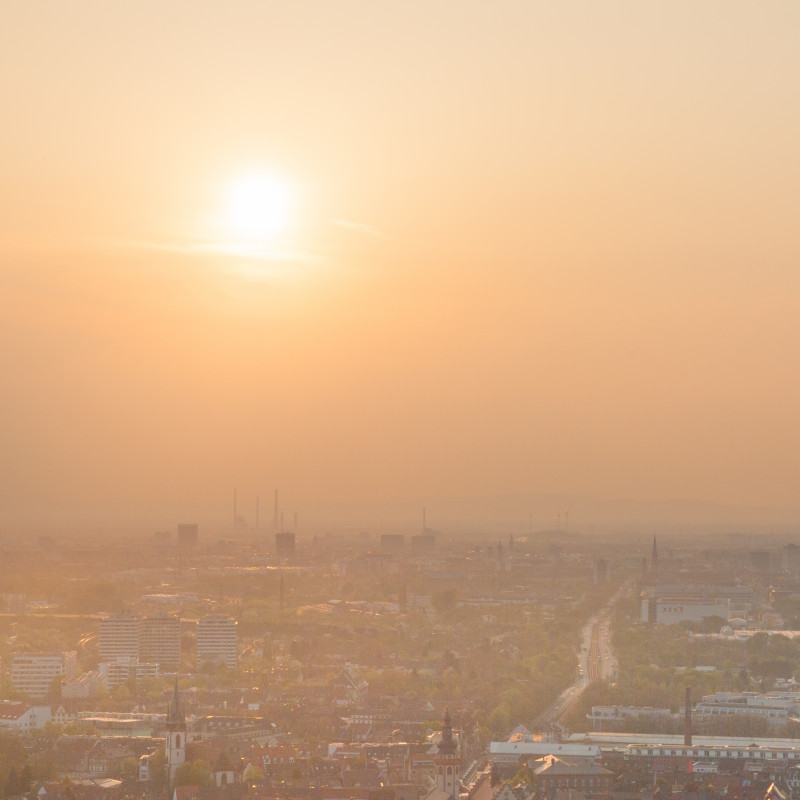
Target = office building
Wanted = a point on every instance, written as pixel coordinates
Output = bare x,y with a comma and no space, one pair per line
187,534
216,641
122,670
392,542
119,637
160,641
284,544
35,674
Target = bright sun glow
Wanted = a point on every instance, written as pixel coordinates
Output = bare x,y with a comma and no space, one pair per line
258,208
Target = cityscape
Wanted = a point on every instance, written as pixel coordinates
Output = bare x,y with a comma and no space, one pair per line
399,400
269,665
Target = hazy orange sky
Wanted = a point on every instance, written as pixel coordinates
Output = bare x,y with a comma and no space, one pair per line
531,247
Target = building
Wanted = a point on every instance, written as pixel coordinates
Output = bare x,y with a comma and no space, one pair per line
175,744
553,773
187,534
35,673
216,641
126,639
121,670
89,684
119,637
775,707
671,610
790,558
447,763
22,718
670,603
617,717
160,641
392,542
527,749
423,544
284,544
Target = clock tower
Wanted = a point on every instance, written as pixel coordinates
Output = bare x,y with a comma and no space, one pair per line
447,760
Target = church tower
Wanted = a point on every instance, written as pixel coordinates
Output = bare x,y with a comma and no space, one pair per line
447,760
176,734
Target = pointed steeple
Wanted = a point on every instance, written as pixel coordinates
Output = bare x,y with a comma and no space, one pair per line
176,720
654,556
447,744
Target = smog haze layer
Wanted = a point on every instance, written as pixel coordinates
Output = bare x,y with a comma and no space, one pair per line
397,250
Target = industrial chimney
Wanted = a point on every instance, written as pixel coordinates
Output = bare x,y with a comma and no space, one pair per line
687,732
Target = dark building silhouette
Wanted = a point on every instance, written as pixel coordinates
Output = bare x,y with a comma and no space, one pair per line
392,542
423,544
187,534
284,544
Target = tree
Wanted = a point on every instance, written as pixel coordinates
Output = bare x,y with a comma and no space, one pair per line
444,600
158,768
253,773
198,773
130,769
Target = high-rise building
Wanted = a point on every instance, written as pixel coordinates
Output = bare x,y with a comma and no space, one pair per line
284,544
34,673
187,534
216,641
392,542
160,641
119,637
791,557
423,544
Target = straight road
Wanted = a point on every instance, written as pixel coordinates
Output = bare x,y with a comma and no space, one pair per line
596,661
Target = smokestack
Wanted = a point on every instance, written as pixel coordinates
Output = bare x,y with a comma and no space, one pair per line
687,733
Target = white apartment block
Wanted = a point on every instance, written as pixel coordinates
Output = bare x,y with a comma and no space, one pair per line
155,639
121,670
160,641
119,637
216,641
34,673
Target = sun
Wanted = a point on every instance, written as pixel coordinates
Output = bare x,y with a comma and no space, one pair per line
257,208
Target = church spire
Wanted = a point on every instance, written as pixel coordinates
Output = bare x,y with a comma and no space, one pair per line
175,715
447,744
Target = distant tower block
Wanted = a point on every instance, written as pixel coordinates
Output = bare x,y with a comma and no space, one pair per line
187,534
423,544
284,544
160,641
216,641
119,636
392,542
